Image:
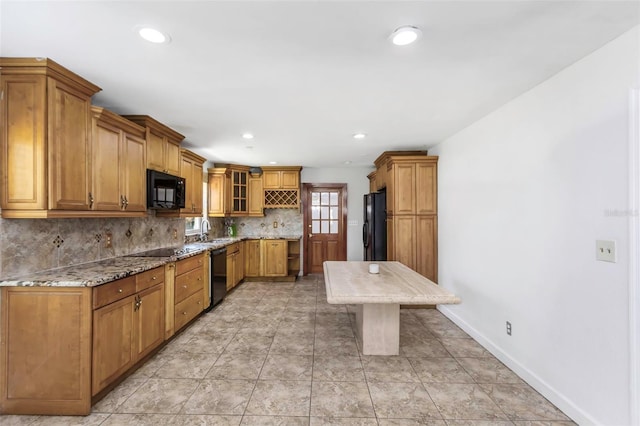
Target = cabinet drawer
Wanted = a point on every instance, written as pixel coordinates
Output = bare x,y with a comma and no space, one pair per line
149,278
188,309
233,248
188,264
115,290
187,284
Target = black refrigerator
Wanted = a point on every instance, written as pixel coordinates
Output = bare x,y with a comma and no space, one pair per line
374,229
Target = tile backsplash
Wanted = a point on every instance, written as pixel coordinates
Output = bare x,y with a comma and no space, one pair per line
289,222
29,245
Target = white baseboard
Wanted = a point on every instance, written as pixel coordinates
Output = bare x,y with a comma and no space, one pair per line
576,413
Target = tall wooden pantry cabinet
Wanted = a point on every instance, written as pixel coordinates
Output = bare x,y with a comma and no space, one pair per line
410,179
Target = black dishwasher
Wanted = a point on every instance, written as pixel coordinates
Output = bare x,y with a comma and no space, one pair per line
218,277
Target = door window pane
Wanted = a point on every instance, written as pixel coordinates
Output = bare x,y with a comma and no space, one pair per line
334,198
324,212
325,227
315,198
333,213
315,227
333,226
324,198
315,212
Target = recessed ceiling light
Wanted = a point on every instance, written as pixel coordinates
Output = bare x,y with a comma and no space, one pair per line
405,35
347,162
154,36
247,135
359,136
273,162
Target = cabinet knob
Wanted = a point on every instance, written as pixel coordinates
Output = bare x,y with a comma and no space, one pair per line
184,286
184,313
153,278
199,279
119,290
199,303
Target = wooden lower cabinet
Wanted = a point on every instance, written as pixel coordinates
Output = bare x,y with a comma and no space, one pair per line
272,259
127,330
275,258
59,347
45,357
235,264
188,290
419,254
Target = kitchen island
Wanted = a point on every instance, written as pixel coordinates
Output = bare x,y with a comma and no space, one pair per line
378,298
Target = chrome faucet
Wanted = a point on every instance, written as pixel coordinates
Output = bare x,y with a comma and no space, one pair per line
202,228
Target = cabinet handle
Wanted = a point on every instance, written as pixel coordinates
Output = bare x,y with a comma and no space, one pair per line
126,202
90,200
122,201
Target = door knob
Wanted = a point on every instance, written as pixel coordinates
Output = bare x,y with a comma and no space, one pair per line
310,235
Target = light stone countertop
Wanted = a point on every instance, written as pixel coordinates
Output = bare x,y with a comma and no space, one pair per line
103,271
351,283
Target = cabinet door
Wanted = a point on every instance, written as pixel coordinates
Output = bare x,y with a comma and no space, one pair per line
133,173
22,142
45,355
426,188
231,271
427,247
69,148
404,184
113,342
404,235
239,263
252,258
275,258
238,192
271,179
172,157
186,171
156,152
256,197
290,179
197,188
149,320
217,195
106,177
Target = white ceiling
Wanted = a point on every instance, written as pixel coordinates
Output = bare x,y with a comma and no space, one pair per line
304,76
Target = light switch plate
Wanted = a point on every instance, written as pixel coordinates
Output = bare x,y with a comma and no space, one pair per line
606,251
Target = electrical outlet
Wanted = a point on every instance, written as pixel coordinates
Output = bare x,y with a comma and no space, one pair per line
508,328
108,243
275,224
175,234
606,251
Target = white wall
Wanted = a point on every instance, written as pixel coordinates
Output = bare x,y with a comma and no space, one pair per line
357,186
523,196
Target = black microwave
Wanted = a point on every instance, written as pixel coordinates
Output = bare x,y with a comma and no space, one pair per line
164,191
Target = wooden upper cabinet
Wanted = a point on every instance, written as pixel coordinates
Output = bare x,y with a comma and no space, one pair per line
281,177
218,184
192,171
45,144
239,190
256,197
163,144
119,158
410,180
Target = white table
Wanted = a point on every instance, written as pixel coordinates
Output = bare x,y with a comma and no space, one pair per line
378,297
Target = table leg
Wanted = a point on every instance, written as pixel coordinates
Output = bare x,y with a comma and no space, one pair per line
379,328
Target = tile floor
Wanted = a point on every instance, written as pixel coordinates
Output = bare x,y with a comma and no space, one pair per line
278,354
